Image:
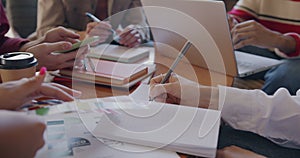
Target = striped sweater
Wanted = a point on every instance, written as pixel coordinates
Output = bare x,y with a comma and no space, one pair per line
279,15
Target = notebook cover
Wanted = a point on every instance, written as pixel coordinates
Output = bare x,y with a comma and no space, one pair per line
118,53
109,72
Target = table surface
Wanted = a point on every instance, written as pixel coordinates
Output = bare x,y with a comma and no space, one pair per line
195,73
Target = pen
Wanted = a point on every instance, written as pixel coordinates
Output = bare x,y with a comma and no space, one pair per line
84,64
91,64
183,51
95,19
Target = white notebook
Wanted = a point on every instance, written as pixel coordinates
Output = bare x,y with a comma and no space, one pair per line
119,53
182,129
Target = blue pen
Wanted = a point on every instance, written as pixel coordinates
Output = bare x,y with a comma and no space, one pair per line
95,19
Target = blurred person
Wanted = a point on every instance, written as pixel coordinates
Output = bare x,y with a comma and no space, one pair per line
247,110
56,39
266,24
114,13
22,135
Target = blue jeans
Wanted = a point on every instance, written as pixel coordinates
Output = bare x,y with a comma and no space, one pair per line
286,75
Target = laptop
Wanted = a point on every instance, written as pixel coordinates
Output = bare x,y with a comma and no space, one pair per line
204,23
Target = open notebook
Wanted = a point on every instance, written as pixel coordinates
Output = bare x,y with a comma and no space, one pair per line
177,128
110,73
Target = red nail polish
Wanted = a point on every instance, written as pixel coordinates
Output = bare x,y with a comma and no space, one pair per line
43,70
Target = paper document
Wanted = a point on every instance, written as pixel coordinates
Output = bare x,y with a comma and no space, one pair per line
177,128
67,136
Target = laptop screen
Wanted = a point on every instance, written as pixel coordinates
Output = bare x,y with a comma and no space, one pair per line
203,23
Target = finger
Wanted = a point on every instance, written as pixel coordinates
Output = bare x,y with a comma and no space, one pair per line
73,55
52,47
132,40
97,26
244,24
246,29
100,32
162,89
156,79
32,84
104,25
239,37
72,40
54,92
66,33
127,29
159,78
124,34
70,91
243,43
66,57
67,64
230,21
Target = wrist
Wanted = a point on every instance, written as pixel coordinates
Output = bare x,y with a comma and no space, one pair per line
285,43
27,45
209,97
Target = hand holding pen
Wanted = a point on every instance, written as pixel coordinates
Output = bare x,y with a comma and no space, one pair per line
100,28
167,76
131,36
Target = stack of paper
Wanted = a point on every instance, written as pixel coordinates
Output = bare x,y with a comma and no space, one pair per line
68,136
111,73
177,128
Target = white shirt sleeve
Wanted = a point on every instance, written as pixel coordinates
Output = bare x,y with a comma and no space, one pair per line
275,117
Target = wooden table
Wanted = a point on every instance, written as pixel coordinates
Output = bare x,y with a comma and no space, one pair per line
201,75
195,73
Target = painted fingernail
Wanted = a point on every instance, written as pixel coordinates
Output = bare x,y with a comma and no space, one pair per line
43,71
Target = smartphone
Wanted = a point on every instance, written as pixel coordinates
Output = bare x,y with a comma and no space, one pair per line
77,45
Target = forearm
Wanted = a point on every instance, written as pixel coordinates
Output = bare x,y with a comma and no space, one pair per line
274,117
27,45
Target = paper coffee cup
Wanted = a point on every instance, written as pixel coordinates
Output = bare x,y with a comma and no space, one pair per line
17,65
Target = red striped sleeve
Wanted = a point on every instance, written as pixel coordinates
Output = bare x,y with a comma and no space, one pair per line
241,14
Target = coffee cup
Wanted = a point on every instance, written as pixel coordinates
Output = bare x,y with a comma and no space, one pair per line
17,65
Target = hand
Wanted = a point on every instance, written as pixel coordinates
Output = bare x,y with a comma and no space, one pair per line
44,54
253,33
60,34
16,93
177,90
231,21
21,135
236,152
101,29
130,36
